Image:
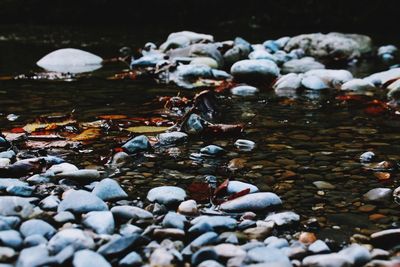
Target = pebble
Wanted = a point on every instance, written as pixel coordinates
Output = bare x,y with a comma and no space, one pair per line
238,186
367,157
81,201
9,182
327,260
15,206
318,247
85,258
245,145
207,238
188,208
77,238
33,256
271,256
386,238
252,202
161,257
109,189
50,202
174,220
324,185
244,90
34,240
356,254
204,254
212,150
210,263
378,195
357,85
37,227
79,175
137,144
102,222
171,138
284,218
64,216
251,70
129,229
226,250
166,195
11,238
6,254
206,223
131,213
170,233
131,260
301,65
120,244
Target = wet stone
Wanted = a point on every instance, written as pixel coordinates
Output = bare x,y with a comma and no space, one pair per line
77,238
120,244
50,203
202,240
188,207
204,254
318,247
130,212
356,254
10,238
102,222
85,257
244,90
268,255
167,195
15,206
174,220
137,144
131,260
37,227
386,238
81,201
171,138
378,195
252,202
327,260
226,250
64,216
34,240
109,189
33,256
238,186
283,218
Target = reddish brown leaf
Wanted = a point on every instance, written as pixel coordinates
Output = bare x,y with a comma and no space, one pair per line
239,194
221,189
112,117
223,129
199,191
17,130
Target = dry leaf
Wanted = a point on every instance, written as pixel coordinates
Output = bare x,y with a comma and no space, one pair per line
147,129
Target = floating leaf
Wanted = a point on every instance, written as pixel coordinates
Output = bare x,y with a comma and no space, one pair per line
88,134
113,117
199,191
32,127
147,129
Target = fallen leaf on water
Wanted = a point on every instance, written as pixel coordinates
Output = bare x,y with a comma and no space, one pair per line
32,127
88,134
147,129
199,191
113,117
236,164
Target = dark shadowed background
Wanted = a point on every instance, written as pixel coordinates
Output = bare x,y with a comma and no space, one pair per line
247,17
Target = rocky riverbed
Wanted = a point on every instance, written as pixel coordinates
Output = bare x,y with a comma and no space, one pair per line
283,153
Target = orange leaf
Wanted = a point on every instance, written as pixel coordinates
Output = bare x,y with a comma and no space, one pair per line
112,117
88,134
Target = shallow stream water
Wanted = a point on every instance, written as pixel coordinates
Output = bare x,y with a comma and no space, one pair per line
300,138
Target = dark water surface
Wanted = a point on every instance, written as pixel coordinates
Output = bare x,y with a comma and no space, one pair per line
302,139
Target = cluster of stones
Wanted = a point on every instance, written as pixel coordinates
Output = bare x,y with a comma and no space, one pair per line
65,217
295,62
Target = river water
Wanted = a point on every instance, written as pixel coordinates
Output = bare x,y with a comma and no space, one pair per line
300,139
